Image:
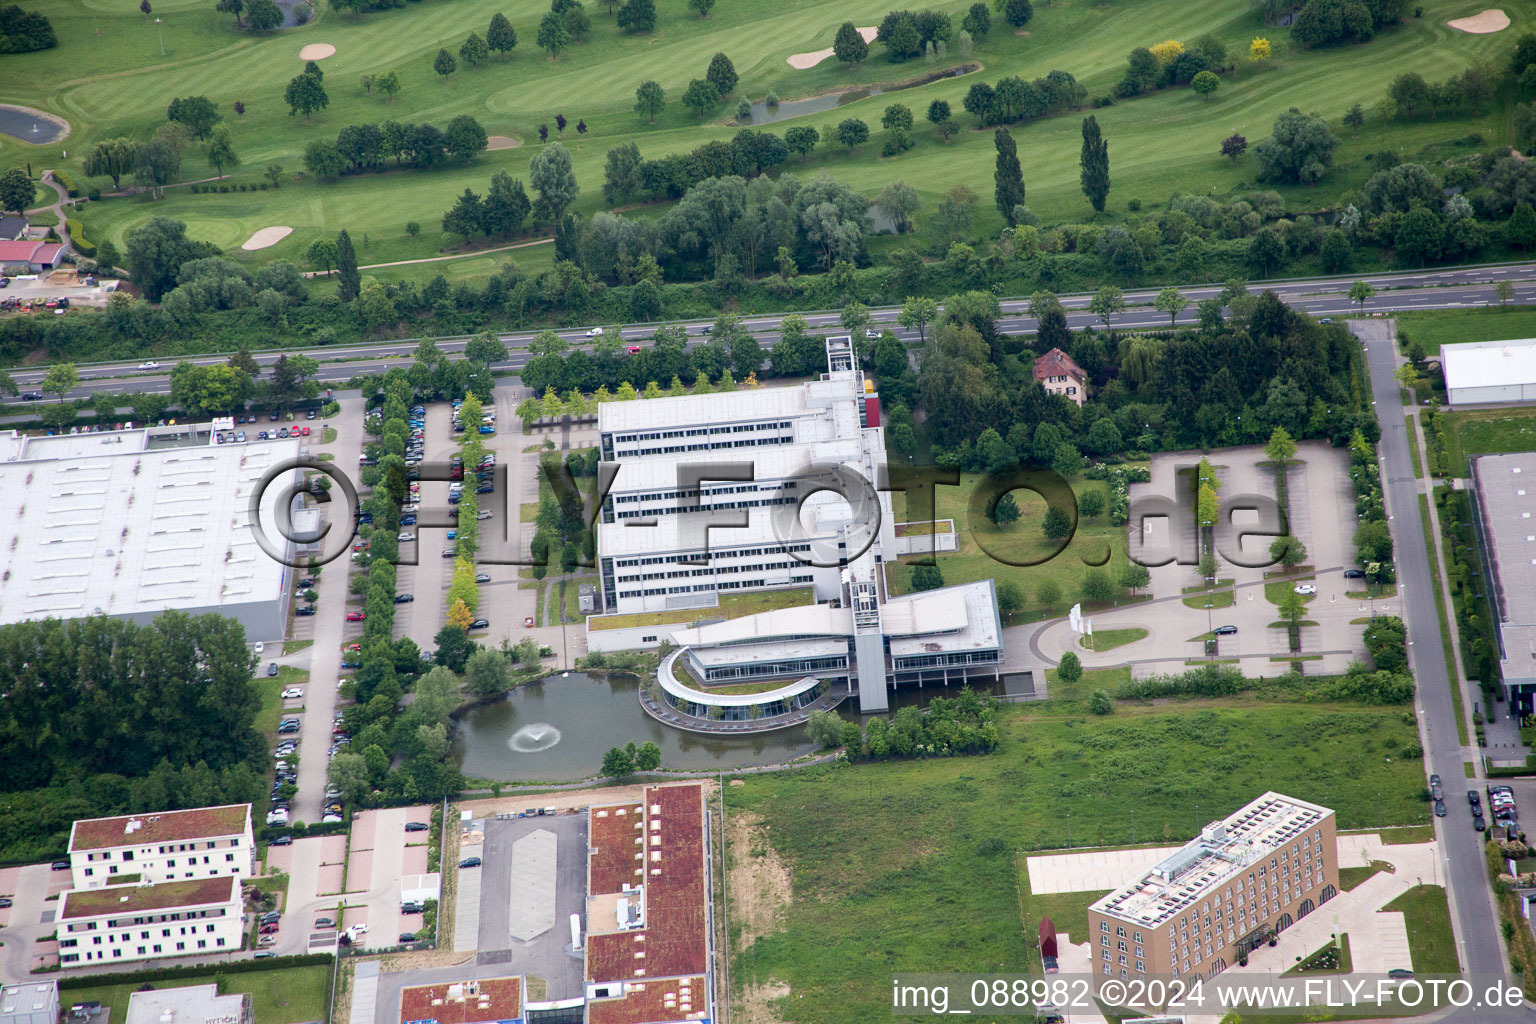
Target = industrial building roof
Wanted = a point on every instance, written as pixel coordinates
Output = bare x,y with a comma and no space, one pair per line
769,462
113,523
687,534
463,1002
1481,364
739,406
958,618
666,999
1506,499
807,620
1204,864
137,899
188,1004
164,827
29,1002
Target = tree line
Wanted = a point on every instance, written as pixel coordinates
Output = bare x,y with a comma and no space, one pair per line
364,148
25,31
963,724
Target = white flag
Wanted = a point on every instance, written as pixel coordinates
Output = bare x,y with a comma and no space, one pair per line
1075,618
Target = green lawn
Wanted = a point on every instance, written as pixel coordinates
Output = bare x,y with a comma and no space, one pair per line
1109,639
1275,590
731,606
1486,432
1349,878
110,77
1413,450
1215,598
1110,679
1438,327
1427,916
286,996
271,695
1021,541
907,866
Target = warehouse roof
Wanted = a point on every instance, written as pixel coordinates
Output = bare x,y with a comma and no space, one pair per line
165,827
463,1002
187,1004
114,523
1506,499
1482,364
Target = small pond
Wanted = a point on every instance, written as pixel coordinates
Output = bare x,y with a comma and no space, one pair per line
28,127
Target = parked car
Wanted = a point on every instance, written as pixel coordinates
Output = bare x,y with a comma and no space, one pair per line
404,598
356,616
325,922
1473,798
407,937
416,826
1434,787
449,553
1225,631
405,536
1304,589
61,865
292,692
412,907
1354,574
281,841
482,577
1439,808
272,669
310,414
306,610
480,624
470,862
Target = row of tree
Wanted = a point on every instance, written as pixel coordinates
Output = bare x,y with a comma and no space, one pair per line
361,148
963,724
1015,99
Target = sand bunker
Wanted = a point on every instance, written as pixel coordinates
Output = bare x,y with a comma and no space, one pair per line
801,61
266,237
1492,20
502,142
320,51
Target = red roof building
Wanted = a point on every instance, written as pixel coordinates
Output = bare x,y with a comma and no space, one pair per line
36,255
1060,375
483,1001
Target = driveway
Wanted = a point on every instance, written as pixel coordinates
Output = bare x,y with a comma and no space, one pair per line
381,853
428,578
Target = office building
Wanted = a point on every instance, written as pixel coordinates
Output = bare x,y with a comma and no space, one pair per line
1480,372
1504,492
125,923
477,1001
30,1002
205,842
189,1004
132,523
649,931
1243,880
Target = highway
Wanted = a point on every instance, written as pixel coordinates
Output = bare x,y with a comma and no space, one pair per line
1325,296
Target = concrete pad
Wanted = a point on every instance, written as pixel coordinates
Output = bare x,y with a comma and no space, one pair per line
363,828
365,992
10,878
360,871
414,860
533,885
280,858
333,849
328,879
1091,870
354,915
1077,958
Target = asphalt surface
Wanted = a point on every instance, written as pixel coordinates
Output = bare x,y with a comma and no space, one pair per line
1472,907
1325,296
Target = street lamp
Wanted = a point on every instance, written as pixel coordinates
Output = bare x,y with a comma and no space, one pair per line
161,33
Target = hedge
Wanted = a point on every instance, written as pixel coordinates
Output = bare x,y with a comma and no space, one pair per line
63,178
77,238
192,971
319,828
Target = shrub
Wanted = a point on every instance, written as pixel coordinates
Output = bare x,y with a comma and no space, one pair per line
77,236
63,178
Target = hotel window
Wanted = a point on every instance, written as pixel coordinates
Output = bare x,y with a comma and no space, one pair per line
1141,965
1103,926
1138,936
1104,954
1104,941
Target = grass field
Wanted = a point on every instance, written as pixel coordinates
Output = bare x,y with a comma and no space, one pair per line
731,606
1022,541
907,866
1486,432
109,77
1109,639
287,996
1215,598
1432,329
271,696
1427,916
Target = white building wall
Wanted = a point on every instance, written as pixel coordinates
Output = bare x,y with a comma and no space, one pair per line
1492,393
165,862
151,936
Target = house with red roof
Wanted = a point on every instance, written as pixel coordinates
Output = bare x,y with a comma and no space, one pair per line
35,256
1060,375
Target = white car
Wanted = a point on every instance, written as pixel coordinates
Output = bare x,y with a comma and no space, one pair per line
292,692
258,647
405,537
149,366
596,332
872,333
353,931
1304,589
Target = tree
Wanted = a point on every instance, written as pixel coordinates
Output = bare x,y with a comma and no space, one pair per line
1070,668
321,255
444,64
918,312
1288,551
1233,146
261,16
927,577
198,113
349,280
17,191
155,252
221,149
1354,117
60,380
1003,512
648,757
501,36
1520,231
1097,588
1094,164
824,728
111,157
552,36
1135,576
1280,448
637,16
305,93
849,45
274,174
466,216
1008,176
618,763
1205,83
550,174
375,306
1106,302
701,96
852,132
1171,301
1359,292
898,201
1299,151
1420,235
1057,524
1505,291
474,49
722,74
801,139
487,672
231,7
650,99
1258,50
1010,598
977,21
1018,12
464,138
506,205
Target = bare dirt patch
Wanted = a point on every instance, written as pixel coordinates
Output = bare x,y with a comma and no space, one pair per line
757,880
1483,23
801,61
496,142
317,51
265,238
753,1006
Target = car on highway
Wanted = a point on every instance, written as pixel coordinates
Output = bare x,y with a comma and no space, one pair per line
596,332
404,598
149,365
1304,589
292,692
1326,320
356,616
634,350
31,396
872,334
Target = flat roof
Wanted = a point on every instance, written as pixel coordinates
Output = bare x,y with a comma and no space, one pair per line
668,852
189,1004
136,899
463,1002
740,406
698,533
665,999
806,620
105,524
164,827
1481,364
1204,864
1506,500
27,1000
958,618
643,473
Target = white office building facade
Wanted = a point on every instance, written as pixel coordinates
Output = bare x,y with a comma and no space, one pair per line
125,923
171,846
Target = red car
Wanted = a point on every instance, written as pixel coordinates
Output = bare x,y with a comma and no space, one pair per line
268,929
304,431
634,350
353,647
356,616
